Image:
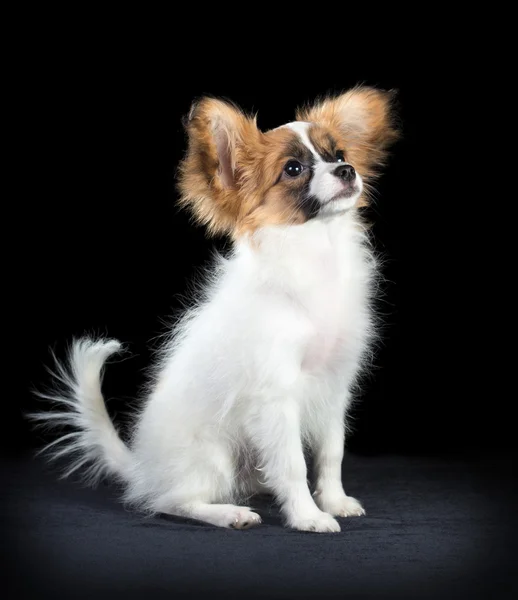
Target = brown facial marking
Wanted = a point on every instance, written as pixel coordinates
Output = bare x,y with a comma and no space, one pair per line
280,195
325,141
295,149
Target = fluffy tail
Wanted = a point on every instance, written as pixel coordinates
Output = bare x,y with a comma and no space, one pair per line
94,442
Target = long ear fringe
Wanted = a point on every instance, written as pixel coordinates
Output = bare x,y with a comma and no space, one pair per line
216,131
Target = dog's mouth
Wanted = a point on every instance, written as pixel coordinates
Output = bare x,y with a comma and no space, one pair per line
344,194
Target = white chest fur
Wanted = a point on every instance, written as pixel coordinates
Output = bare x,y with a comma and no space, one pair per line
325,268
294,298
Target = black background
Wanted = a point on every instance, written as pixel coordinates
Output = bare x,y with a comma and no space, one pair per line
101,247
94,243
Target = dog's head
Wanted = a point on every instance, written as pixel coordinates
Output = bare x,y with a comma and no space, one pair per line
236,178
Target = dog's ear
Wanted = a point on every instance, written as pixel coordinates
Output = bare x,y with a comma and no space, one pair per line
219,136
365,118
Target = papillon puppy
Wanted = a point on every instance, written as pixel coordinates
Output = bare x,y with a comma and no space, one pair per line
261,369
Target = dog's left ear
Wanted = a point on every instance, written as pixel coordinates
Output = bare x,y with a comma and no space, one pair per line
365,118
219,140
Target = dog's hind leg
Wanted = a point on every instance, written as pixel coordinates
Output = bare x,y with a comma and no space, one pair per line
221,515
203,486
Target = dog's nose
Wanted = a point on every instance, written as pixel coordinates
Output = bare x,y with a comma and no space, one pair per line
345,172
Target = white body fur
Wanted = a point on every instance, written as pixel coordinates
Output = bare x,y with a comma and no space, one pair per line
260,369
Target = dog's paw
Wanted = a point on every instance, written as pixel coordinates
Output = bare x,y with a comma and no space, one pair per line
340,505
241,517
320,522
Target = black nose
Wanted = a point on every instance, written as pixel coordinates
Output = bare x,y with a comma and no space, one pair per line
345,172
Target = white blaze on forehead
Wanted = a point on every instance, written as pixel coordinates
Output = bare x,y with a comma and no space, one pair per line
301,128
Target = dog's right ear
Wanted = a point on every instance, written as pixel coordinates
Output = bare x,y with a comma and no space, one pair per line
209,176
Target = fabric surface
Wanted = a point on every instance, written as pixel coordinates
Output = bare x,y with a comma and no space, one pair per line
435,528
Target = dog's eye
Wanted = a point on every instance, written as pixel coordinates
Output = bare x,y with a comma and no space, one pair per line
340,157
293,168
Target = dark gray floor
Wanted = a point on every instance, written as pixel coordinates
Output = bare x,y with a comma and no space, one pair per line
435,528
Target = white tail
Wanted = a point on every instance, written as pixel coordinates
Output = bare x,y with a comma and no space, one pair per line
94,442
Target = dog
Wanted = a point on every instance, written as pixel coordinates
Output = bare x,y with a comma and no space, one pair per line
262,368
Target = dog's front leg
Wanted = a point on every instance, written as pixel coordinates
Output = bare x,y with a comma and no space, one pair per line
329,451
275,432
